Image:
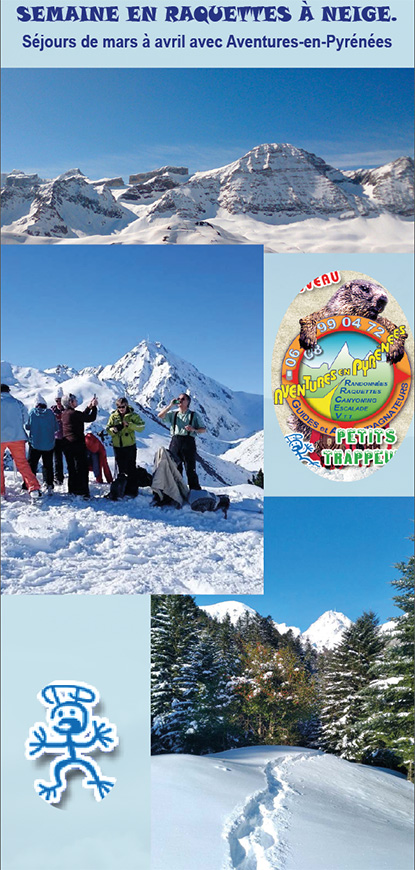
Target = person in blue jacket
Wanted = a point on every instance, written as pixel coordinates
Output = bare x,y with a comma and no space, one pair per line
41,428
13,438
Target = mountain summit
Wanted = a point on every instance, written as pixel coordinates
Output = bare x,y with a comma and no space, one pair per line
265,196
154,375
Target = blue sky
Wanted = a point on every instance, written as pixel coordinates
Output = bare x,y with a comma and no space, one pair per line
88,305
330,554
121,121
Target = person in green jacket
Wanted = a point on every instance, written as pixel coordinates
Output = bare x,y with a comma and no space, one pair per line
122,426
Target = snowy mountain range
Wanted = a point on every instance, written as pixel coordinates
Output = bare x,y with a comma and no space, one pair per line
150,376
277,195
325,633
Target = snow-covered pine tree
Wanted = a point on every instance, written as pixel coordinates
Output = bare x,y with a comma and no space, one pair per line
171,640
207,699
334,690
347,673
400,697
387,725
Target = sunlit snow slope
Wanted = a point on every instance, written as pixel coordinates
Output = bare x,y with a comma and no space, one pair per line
278,808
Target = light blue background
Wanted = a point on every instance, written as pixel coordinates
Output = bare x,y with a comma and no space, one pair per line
284,276
103,641
401,53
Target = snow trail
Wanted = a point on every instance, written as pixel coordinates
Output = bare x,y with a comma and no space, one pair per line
256,836
314,812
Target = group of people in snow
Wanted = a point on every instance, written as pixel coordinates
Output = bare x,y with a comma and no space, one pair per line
58,431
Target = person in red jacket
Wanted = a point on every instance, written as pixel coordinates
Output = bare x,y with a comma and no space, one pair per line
97,458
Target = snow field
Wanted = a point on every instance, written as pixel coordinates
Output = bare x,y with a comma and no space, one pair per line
383,233
68,545
316,812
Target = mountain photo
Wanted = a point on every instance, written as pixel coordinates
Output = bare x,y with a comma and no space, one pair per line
99,335
275,193
229,157
286,725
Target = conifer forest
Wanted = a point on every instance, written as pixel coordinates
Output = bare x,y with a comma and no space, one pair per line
216,685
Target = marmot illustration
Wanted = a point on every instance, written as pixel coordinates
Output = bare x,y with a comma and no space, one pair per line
357,297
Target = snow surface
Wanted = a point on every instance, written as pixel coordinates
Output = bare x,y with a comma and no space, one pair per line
67,545
278,808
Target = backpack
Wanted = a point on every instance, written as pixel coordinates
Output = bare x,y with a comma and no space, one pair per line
140,477
118,487
202,500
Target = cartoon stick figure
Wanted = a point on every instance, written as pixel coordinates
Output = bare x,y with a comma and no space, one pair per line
69,715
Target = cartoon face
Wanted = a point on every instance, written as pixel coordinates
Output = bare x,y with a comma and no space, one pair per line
69,718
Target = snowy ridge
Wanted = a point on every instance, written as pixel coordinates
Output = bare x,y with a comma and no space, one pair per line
249,452
153,375
390,186
276,194
150,375
234,609
324,634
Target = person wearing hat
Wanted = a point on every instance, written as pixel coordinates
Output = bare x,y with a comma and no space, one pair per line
41,428
58,448
13,438
74,446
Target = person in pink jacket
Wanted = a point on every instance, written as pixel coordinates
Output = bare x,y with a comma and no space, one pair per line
13,438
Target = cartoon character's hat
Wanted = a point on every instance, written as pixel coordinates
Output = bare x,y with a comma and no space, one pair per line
59,693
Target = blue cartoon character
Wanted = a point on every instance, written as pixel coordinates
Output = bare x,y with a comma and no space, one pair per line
69,718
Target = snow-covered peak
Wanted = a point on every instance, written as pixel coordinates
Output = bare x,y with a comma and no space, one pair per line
249,200
154,375
388,627
283,628
62,372
327,631
272,181
233,609
71,173
390,186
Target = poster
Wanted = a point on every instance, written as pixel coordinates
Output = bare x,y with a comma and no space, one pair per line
207,436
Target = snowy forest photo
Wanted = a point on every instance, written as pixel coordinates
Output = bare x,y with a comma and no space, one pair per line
251,695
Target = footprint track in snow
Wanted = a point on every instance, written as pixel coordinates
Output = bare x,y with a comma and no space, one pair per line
254,837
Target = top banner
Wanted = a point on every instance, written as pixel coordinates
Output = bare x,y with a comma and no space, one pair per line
310,33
